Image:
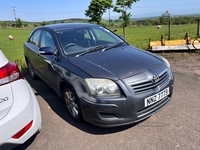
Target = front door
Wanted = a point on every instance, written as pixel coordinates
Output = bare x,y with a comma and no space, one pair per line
47,68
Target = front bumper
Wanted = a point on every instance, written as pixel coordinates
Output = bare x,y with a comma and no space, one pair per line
111,115
123,110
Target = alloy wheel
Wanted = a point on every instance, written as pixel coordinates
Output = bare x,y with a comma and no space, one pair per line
71,103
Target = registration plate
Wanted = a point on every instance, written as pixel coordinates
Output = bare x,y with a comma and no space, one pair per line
155,98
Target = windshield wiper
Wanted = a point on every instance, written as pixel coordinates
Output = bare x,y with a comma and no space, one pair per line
92,50
114,46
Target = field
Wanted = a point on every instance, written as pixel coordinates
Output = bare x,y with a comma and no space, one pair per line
139,36
13,49
136,36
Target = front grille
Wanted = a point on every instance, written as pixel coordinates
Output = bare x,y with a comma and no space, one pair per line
148,85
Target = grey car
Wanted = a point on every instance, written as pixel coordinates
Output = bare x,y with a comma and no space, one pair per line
102,79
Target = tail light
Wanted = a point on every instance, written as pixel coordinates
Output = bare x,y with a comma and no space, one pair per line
9,73
22,131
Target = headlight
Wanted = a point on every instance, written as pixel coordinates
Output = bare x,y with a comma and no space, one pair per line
166,61
102,87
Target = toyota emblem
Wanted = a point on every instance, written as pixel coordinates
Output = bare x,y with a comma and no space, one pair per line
155,79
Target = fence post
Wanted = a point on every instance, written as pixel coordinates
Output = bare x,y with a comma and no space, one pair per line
162,40
169,30
198,28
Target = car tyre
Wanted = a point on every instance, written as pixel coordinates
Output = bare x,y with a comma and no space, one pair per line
31,70
72,103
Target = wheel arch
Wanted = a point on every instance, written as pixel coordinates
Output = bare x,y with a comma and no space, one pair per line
62,86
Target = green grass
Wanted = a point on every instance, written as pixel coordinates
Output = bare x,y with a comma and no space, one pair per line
136,36
139,36
13,49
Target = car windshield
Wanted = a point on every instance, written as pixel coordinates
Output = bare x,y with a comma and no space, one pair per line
83,40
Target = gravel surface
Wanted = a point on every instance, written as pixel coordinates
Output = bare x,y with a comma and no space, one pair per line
175,127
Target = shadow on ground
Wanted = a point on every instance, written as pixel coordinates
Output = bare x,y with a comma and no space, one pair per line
58,106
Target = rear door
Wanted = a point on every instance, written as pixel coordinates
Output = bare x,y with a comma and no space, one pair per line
32,50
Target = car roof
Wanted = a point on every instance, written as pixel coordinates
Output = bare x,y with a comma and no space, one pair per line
62,26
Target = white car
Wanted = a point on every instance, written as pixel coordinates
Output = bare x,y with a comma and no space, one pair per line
20,116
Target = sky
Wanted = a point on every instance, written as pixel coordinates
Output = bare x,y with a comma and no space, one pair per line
47,10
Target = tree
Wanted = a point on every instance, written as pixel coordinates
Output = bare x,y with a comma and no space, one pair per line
122,6
4,24
96,9
36,24
165,18
18,23
25,24
43,23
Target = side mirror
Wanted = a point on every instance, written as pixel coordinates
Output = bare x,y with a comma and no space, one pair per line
122,37
46,51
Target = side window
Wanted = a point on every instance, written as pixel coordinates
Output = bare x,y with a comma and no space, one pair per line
35,38
87,35
47,40
102,35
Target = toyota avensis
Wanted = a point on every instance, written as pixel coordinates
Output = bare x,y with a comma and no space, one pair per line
102,78
20,116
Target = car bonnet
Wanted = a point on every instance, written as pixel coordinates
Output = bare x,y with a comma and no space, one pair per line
116,63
